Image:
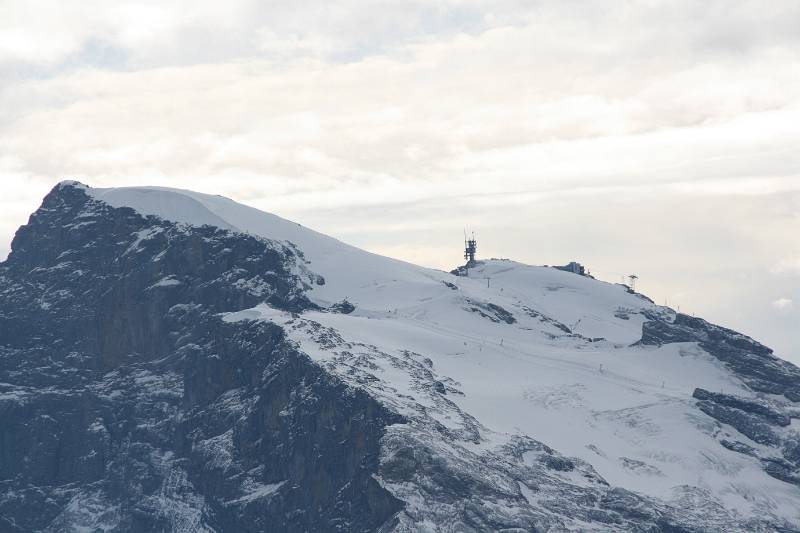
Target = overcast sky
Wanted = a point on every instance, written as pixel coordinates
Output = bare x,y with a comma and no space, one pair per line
656,138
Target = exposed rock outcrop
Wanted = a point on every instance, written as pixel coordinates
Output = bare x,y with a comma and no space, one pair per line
128,404
753,362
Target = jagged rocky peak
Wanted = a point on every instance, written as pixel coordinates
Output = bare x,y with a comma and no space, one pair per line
128,404
175,361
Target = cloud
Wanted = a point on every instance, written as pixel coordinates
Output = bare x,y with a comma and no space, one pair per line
784,305
659,137
396,118
787,266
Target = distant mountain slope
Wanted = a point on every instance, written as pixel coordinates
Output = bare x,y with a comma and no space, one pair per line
174,361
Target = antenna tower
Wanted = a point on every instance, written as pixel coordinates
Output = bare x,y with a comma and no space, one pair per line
633,278
470,247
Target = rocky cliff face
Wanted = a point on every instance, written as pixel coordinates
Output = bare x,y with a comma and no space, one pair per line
762,420
751,361
127,404
158,376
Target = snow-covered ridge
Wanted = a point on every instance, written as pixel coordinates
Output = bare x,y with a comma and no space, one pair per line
537,353
349,271
373,282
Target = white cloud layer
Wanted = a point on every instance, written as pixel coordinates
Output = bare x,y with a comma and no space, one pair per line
659,137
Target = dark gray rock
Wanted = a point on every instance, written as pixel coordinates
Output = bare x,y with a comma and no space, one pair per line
547,320
770,413
793,395
791,450
757,367
627,504
127,401
739,447
748,425
783,470
344,307
562,464
753,362
491,311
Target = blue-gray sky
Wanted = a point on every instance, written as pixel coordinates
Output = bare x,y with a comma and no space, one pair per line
656,138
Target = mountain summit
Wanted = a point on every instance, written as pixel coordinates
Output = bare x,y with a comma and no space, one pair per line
175,361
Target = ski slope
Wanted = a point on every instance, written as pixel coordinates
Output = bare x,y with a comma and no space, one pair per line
538,352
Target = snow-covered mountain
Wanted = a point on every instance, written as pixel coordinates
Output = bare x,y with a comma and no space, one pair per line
219,368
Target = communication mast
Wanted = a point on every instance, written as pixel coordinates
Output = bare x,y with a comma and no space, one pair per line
633,278
470,247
